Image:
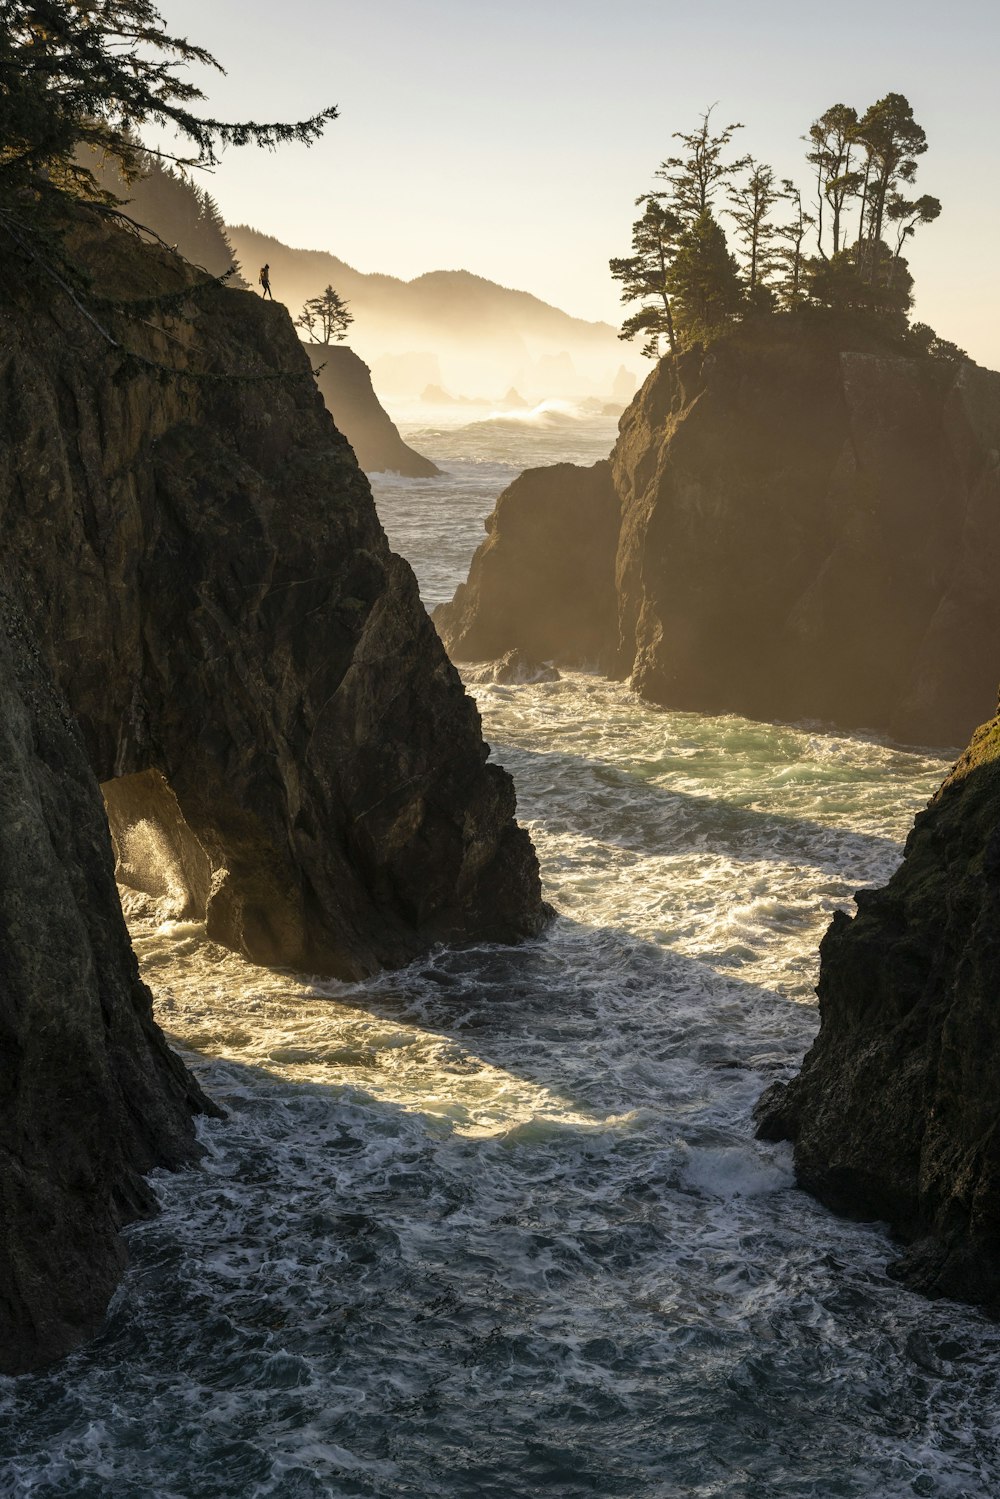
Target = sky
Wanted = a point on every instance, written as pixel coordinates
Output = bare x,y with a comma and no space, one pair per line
512,139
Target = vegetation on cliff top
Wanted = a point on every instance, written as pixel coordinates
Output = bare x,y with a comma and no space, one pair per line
691,288
79,79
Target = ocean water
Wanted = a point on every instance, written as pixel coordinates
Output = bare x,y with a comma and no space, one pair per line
497,1225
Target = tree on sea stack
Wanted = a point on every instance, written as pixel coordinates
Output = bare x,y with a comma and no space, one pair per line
644,274
694,176
705,281
325,318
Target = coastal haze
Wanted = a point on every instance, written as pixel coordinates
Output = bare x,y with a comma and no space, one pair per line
512,141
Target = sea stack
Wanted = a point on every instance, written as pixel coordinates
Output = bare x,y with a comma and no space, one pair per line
808,527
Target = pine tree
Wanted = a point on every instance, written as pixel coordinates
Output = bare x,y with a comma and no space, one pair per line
705,282
695,176
790,257
892,140
80,78
751,204
644,275
325,318
834,141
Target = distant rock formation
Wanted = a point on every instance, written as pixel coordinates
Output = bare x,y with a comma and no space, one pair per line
807,531
542,583
90,1095
895,1113
346,385
623,387
200,610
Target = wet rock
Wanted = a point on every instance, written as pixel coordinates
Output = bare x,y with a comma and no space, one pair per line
895,1114
515,667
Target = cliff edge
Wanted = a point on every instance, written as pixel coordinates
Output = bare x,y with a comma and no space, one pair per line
894,1114
202,565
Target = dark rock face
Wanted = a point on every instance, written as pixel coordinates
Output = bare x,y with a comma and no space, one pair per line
90,1095
346,385
896,1112
811,533
805,532
542,582
199,609
216,598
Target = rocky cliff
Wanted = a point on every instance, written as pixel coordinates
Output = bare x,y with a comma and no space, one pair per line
202,564
895,1114
807,530
202,612
90,1096
346,385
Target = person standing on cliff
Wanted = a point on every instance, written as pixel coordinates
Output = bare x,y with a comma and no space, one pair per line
265,281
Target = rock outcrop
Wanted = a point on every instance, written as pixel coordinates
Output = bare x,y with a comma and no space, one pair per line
346,385
200,610
202,564
895,1114
90,1095
542,583
807,530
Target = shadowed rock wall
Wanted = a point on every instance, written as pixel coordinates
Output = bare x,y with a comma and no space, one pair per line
199,607
895,1113
345,383
202,563
542,582
90,1095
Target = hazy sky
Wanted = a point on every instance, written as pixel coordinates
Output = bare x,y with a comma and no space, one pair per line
511,139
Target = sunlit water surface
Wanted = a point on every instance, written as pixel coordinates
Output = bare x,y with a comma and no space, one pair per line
497,1225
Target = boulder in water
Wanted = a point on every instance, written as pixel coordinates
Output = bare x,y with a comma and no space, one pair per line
542,582
514,667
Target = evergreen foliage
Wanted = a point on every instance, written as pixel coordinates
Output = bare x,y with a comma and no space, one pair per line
705,281
90,73
325,318
645,274
169,202
78,80
691,288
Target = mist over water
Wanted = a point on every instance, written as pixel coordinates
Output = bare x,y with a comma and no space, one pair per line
438,523
497,1225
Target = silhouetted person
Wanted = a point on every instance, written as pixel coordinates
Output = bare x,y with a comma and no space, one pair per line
265,281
